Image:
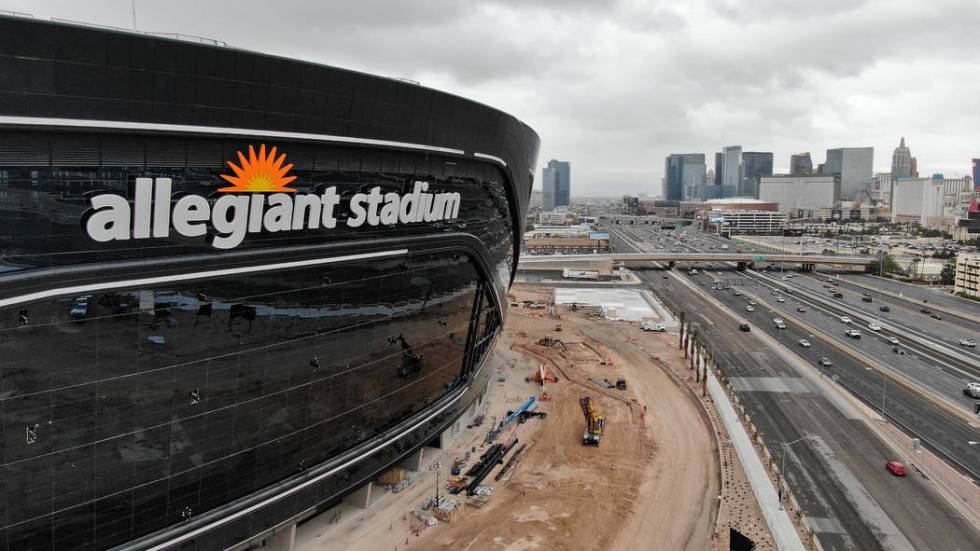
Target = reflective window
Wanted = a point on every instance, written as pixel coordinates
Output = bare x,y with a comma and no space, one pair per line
181,397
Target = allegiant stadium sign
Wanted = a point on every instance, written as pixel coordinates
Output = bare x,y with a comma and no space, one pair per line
258,201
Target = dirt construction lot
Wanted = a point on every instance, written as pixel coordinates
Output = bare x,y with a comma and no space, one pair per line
652,483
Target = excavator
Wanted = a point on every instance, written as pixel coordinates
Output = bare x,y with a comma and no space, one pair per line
593,422
548,341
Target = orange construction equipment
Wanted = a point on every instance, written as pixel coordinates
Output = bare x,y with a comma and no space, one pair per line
541,375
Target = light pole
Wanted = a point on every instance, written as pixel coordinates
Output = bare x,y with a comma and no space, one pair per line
782,468
884,382
437,466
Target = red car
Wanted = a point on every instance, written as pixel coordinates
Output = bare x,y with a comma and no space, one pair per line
896,468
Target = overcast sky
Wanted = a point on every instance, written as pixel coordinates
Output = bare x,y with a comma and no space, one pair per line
613,87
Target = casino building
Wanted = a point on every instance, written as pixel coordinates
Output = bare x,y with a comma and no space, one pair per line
233,287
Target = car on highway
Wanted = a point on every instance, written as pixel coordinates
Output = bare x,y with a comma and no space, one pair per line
968,343
893,340
780,299
866,298
804,343
853,333
972,390
744,327
824,362
665,276
801,308
839,295
884,308
79,308
779,323
753,303
874,326
926,311
896,468
750,308
737,293
845,319
935,316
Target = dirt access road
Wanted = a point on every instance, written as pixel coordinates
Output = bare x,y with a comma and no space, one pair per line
651,484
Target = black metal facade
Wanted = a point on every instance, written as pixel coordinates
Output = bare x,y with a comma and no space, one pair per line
145,404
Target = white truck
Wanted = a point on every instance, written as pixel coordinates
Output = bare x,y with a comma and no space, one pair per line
648,325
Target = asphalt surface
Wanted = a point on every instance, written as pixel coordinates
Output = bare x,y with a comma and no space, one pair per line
837,473
920,294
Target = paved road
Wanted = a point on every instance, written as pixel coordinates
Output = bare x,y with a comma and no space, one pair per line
919,293
945,377
838,474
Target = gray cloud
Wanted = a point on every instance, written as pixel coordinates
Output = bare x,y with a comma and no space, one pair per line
615,86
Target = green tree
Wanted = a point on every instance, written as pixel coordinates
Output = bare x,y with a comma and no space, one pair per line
948,275
885,265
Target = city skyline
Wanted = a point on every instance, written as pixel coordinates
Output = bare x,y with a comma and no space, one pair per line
579,72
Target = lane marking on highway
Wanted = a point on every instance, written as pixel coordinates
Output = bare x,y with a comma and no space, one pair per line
871,513
794,385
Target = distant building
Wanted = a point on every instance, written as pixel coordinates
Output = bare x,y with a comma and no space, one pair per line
684,174
537,198
800,164
734,204
967,275
594,243
557,184
918,200
709,179
631,205
755,164
901,161
719,169
732,168
915,167
747,221
854,166
795,193
976,174
555,217
968,225
881,187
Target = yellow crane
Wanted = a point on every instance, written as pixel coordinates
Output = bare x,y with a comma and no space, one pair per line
593,422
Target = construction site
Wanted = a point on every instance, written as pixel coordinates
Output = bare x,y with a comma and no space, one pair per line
593,434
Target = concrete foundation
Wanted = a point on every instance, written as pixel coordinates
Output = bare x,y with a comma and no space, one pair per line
282,540
361,497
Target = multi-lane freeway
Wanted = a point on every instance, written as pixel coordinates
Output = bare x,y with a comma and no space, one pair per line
837,471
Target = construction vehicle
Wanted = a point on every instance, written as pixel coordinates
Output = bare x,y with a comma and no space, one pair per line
548,341
593,422
523,416
542,375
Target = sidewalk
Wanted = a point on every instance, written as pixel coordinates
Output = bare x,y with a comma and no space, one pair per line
782,528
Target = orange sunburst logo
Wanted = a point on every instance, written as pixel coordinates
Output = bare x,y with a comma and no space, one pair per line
259,173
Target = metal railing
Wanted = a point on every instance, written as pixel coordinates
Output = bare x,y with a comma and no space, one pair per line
175,36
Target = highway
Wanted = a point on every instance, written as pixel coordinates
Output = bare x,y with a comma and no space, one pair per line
837,474
919,295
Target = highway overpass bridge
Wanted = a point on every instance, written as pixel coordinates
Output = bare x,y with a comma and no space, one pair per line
603,262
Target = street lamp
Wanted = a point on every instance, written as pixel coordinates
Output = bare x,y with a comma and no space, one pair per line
884,381
782,468
437,466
